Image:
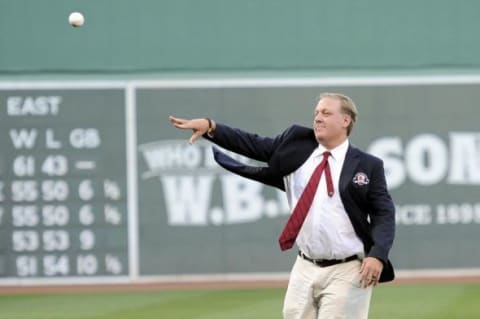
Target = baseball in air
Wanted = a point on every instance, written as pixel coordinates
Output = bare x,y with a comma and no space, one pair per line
76,19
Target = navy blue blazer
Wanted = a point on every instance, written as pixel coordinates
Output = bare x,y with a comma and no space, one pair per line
362,185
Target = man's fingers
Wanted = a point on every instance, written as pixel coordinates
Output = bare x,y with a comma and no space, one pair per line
362,267
179,123
364,280
198,126
368,280
194,137
173,119
370,271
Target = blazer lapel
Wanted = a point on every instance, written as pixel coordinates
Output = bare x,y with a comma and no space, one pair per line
349,165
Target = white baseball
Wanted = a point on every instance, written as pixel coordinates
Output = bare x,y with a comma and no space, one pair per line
76,19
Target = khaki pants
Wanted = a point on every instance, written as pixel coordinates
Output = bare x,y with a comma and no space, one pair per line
332,292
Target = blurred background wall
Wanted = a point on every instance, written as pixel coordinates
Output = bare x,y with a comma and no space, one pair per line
185,36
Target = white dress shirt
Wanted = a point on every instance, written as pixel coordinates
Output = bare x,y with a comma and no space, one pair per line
327,232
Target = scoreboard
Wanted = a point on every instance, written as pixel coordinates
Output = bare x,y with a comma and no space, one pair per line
63,209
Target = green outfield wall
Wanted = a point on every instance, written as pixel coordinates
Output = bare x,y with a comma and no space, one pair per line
148,36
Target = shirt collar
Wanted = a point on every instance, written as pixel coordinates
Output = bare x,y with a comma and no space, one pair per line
338,152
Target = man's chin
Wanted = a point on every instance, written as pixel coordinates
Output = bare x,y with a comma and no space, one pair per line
320,137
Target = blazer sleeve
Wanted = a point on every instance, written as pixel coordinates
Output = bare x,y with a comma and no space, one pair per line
244,143
382,216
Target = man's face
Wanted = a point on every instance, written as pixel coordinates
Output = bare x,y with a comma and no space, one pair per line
329,123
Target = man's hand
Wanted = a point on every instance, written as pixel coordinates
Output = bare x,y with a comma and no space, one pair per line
370,271
198,126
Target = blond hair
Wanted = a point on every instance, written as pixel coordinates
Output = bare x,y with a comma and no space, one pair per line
347,107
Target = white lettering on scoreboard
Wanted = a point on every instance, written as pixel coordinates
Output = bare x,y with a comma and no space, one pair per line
188,176
427,159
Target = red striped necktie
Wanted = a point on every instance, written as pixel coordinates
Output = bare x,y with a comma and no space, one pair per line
295,222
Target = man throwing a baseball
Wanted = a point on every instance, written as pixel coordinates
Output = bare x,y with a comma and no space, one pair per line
343,218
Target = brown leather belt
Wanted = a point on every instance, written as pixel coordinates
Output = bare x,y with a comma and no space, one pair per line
327,262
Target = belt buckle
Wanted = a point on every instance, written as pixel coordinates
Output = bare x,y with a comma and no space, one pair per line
319,262
316,262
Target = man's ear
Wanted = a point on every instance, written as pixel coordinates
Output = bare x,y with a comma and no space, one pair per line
347,119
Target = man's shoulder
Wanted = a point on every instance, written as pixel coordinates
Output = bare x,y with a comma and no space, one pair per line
298,127
296,130
364,155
